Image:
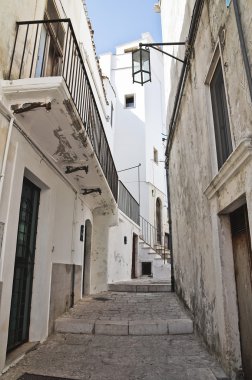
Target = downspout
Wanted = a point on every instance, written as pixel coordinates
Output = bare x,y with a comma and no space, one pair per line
72,286
172,125
72,294
6,151
243,45
170,230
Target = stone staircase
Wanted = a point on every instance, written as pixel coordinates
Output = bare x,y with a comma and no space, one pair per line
140,286
158,256
128,313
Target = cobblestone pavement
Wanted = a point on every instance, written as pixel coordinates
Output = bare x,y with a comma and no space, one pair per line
121,306
91,357
103,357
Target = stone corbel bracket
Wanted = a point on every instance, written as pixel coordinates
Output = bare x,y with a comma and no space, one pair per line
239,157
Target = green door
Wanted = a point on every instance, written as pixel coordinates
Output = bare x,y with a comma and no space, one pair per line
24,263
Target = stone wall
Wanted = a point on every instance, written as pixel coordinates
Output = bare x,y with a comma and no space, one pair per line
201,195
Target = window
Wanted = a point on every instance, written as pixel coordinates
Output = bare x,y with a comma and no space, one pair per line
111,114
155,155
129,101
146,268
220,116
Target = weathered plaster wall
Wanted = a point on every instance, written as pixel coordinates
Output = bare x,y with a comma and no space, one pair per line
103,220
61,213
62,209
120,254
61,290
203,259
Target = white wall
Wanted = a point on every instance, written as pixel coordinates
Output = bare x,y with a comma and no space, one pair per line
54,232
120,254
62,211
138,130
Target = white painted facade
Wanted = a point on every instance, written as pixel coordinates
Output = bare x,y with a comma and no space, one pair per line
203,194
137,132
40,144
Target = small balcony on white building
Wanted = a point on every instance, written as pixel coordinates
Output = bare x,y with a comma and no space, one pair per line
51,96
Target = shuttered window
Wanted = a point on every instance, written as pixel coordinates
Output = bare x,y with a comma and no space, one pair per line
220,115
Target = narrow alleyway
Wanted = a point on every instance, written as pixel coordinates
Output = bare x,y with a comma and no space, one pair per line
122,336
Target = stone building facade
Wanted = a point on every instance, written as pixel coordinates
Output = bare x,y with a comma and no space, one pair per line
58,180
209,170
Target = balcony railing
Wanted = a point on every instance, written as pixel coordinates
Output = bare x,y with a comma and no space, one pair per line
127,203
148,233
47,48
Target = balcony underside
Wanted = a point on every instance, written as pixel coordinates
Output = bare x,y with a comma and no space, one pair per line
59,133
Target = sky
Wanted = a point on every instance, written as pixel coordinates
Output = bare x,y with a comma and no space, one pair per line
120,21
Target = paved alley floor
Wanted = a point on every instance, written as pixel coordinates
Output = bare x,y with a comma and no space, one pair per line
91,356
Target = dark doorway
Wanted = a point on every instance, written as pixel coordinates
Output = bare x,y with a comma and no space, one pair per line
146,269
87,258
158,220
243,275
134,248
19,321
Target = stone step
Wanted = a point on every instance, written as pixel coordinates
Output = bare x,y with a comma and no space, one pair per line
68,325
141,288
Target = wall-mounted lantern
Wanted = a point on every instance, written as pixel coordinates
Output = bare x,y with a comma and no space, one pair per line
141,68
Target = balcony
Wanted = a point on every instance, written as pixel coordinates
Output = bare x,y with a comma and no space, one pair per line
49,90
127,204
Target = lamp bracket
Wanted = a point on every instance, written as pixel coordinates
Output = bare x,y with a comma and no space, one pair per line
155,46
90,191
72,169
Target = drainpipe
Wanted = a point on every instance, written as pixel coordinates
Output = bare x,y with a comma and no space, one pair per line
6,151
72,285
170,230
172,126
72,294
243,45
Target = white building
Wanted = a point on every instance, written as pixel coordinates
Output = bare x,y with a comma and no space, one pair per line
209,161
138,130
58,181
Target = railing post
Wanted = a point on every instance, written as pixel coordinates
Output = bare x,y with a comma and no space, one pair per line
21,66
33,54
13,53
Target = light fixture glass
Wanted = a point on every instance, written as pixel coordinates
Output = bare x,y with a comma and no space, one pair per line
141,66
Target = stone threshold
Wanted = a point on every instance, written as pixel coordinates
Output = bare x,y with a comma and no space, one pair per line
124,327
136,288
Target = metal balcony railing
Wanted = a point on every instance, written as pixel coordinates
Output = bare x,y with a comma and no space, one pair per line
148,233
153,238
47,48
127,203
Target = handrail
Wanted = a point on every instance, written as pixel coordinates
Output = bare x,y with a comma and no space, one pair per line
149,237
61,54
127,203
148,232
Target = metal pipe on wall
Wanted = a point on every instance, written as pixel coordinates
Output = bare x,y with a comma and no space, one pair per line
243,45
5,156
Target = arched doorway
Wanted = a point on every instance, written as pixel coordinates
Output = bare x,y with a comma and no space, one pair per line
159,220
87,258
